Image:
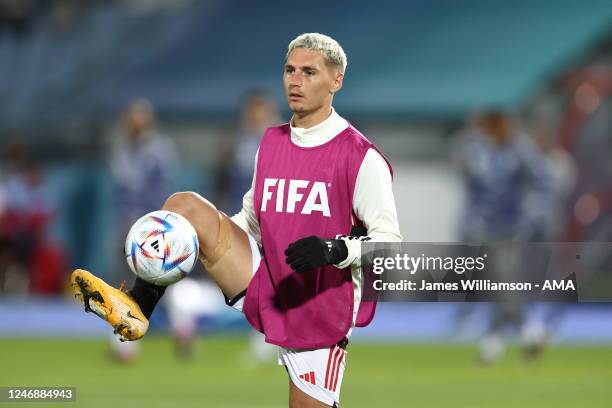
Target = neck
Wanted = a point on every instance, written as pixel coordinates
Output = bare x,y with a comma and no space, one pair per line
310,119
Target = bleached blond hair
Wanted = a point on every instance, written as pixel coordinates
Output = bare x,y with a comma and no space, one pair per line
332,51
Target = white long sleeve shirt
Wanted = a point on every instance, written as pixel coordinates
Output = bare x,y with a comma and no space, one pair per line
373,201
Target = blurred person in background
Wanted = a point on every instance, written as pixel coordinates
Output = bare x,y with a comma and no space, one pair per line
502,168
188,301
500,165
31,260
562,172
548,210
143,165
258,112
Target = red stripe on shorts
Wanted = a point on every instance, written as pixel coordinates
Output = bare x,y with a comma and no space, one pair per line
329,359
338,371
333,370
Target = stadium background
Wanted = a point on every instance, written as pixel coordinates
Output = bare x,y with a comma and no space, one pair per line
418,73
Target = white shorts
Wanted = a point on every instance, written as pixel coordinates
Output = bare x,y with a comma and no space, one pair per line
318,372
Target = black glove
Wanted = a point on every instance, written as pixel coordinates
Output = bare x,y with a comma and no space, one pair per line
309,253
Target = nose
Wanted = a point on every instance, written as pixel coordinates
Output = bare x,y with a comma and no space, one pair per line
295,79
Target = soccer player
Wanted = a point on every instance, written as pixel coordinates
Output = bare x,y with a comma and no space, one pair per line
286,260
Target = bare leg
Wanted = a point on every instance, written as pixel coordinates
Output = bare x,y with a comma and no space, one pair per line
299,399
232,268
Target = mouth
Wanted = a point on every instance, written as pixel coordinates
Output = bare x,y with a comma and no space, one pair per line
294,96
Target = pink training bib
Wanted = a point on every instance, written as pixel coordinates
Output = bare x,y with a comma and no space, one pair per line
300,192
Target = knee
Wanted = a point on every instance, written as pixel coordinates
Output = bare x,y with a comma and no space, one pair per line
190,205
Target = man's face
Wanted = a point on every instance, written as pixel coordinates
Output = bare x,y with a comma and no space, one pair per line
309,82
258,114
138,118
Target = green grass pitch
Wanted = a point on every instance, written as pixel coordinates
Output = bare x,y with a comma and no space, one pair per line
378,375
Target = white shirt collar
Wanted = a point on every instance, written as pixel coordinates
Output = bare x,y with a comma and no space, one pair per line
321,133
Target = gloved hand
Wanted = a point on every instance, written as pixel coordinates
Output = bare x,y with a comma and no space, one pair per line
312,252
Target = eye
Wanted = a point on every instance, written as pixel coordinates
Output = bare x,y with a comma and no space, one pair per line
288,69
310,73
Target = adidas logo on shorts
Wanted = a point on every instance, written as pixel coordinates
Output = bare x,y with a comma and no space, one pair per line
310,377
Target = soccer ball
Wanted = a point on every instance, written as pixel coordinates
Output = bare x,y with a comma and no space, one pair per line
161,247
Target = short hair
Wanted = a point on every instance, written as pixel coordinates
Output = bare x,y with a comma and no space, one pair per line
332,51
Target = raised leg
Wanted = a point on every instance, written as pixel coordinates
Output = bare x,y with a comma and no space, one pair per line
224,247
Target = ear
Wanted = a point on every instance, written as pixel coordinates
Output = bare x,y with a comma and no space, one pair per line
337,84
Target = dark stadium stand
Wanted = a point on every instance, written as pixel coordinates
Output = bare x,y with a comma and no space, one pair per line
187,60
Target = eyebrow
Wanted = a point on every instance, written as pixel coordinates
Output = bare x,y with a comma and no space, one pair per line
304,68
